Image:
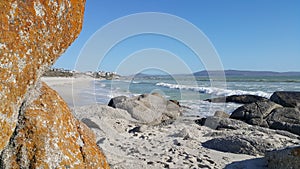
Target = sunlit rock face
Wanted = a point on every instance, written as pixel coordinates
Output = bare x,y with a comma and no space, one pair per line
47,135
36,126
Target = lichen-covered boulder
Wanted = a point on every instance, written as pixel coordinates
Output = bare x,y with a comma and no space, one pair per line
33,34
37,129
48,136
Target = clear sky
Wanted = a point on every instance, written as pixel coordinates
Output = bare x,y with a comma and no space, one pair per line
247,35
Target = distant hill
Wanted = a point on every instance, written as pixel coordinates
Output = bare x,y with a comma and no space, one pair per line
247,73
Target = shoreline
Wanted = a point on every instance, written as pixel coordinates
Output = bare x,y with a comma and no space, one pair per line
179,144
70,88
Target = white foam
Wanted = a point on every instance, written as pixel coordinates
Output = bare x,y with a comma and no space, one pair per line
213,90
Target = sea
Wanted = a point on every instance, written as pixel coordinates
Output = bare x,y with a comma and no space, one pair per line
192,91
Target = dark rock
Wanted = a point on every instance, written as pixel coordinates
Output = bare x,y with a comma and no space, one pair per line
90,123
239,145
241,99
176,102
218,123
150,162
201,121
116,100
285,119
286,98
255,113
135,129
284,158
253,163
101,141
176,142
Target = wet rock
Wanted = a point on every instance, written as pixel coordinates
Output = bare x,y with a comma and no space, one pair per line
284,158
255,113
286,98
240,99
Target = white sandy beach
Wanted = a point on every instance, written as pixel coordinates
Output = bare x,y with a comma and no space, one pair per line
71,88
176,145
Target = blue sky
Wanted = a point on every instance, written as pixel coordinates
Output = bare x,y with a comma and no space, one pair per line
247,35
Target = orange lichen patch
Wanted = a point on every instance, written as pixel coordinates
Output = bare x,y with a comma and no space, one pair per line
50,137
33,34
91,158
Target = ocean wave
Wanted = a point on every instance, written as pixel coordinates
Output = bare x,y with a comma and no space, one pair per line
213,90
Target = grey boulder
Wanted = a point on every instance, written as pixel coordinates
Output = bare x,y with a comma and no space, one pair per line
286,98
116,100
284,158
255,113
285,119
239,144
148,108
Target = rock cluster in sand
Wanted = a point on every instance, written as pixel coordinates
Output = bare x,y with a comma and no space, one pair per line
180,142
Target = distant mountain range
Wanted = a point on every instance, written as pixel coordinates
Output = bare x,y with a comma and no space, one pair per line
247,73
228,73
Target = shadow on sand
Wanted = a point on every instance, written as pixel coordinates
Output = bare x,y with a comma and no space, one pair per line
257,163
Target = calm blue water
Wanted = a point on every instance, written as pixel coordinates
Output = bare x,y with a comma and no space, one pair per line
192,91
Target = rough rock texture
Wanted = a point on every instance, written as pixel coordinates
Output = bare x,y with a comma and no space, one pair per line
255,113
285,119
33,35
239,137
49,136
283,159
147,108
37,130
239,144
241,99
116,100
221,114
267,114
286,99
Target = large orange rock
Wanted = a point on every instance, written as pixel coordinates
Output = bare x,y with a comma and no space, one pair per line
33,34
37,129
48,136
